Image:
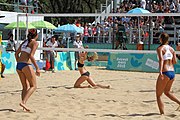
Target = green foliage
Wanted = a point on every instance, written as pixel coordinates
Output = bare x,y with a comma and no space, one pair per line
61,6
71,6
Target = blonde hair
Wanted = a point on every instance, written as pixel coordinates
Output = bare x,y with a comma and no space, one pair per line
94,55
165,38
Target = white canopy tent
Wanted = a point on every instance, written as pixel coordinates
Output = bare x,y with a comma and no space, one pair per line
10,17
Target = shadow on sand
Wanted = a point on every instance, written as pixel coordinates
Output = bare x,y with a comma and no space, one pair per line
8,110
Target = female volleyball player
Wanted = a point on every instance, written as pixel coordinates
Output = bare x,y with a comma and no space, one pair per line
167,58
85,75
24,57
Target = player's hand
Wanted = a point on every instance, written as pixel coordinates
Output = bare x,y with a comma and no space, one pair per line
38,72
161,76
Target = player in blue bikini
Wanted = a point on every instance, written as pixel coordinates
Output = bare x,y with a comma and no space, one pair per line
24,57
167,59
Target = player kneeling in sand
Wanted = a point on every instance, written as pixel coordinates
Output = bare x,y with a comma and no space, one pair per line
85,75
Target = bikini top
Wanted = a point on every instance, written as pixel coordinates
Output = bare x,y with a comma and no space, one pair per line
79,64
168,55
25,48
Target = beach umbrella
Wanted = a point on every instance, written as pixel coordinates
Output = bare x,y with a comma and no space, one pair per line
43,24
22,25
138,11
69,28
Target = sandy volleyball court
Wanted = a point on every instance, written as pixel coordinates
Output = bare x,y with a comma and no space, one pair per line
131,97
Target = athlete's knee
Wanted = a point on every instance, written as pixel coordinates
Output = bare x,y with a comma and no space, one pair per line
34,87
167,93
158,95
24,88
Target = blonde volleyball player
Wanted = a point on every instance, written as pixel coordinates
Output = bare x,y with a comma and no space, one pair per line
85,75
24,57
167,59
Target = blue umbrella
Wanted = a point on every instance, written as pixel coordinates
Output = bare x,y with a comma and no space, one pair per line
138,11
68,28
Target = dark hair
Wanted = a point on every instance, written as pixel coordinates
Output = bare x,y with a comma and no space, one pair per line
31,35
53,37
10,35
165,38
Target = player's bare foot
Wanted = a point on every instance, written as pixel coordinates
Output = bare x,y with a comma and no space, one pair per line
107,87
24,107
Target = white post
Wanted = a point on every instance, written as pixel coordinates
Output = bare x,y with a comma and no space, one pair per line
17,44
95,17
139,31
18,28
151,30
26,21
18,6
174,33
106,7
130,34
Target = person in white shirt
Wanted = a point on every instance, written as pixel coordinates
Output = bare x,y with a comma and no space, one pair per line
143,4
51,54
77,44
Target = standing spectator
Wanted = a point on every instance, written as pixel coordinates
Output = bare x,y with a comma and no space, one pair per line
119,35
77,44
98,32
168,19
86,34
94,32
172,6
90,32
51,54
178,7
143,4
11,44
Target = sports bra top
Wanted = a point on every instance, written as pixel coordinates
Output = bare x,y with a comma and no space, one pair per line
25,48
168,55
79,64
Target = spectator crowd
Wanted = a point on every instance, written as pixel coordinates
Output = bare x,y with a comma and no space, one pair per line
103,31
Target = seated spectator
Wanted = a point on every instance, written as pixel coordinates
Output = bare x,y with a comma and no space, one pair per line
77,44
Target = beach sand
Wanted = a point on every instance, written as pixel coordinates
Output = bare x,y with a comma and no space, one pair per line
131,97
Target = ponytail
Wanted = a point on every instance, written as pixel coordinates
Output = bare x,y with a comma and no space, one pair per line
31,35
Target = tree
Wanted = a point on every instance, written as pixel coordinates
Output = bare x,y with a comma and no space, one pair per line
61,6
69,6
